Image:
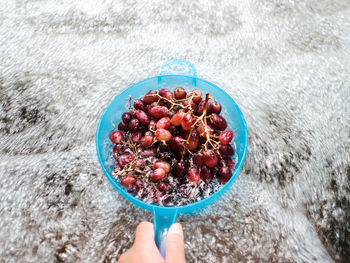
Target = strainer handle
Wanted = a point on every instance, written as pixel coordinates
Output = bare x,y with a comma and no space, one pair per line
178,67
163,219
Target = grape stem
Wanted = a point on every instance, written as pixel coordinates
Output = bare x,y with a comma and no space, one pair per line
129,104
130,167
207,131
210,139
173,103
125,170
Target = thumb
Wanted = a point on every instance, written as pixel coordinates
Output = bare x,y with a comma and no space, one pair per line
144,234
175,249
144,248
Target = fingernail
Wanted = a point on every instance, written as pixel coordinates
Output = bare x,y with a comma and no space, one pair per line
176,229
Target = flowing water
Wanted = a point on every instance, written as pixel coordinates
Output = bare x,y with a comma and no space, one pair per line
286,64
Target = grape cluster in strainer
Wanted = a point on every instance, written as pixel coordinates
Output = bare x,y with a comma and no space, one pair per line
173,148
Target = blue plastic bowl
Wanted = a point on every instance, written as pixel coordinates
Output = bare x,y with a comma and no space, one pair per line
173,73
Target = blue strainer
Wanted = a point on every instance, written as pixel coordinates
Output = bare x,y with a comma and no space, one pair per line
173,73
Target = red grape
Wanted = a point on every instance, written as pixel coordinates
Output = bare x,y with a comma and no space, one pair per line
230,164
216,133
150,97
158,112
200,108
139,105
117,168
152,125
163,135
163,187
186,122
128,181
142,117
180,93
140,163
226,137
132,189
224,174
122,126
193,175
150,106
136,136
171,113
219,122
116,137
206,173
172,130
198,159
193,141
125,159
209,106
166,93
203,131
177,118
162,164
164,103
149,152
210,159
134,125
226,150
179,169
158,174
146,140
118,148
163,123
176,143
157,197
193,105
126,117
215,107
197,96
184,134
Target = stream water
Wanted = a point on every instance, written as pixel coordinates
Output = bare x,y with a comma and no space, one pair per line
285,63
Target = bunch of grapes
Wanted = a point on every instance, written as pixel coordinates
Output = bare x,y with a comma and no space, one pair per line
173,148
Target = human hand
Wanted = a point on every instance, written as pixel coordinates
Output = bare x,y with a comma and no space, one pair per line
144,249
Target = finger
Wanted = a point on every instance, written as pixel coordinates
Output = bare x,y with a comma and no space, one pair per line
144,234
123,258
175,248
144,248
